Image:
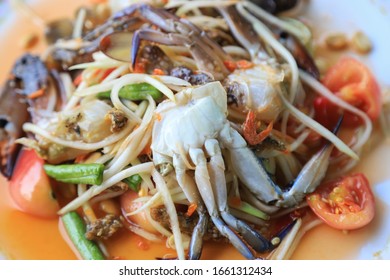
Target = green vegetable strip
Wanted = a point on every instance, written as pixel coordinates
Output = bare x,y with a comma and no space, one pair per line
75,228
249,209
88,173
133,181
135,92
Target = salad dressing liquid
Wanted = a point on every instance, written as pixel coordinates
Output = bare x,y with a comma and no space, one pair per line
23,236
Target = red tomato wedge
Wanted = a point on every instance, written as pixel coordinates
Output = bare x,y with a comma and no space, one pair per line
30,186
353,82
128,205
346,203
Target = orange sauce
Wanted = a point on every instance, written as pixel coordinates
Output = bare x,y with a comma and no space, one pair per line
23,236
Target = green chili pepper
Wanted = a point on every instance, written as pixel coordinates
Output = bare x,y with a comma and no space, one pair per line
133,181
135,92
87,173
76,230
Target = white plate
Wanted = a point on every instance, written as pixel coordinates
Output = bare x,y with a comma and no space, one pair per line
370,16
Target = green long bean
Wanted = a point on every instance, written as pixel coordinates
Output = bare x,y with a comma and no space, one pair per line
75,227
133,182
87,173
135,92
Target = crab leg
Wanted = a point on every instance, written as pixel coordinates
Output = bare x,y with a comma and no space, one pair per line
302,56
237,24
202,35
309,178
248,168
204,56
216,168
203,182
157,37
244,33
190,190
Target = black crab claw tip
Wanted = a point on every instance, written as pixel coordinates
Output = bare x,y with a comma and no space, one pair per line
338,125
196,243
135,44
282,234
275,6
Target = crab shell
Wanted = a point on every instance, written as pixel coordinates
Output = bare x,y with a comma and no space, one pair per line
198,114
257,91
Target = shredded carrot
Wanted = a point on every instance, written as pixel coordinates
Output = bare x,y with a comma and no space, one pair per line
77,81
106,73
158,117
81,158
36,94
191,209
230,65
146,151
244,64
158,71
139,67
250,130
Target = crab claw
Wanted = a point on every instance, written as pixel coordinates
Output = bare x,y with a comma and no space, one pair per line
256,179
157,37
204,56
299,52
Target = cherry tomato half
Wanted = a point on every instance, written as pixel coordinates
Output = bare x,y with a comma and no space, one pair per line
346,203
353,82
30,186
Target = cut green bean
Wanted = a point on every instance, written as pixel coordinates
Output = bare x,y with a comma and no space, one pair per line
76,229
87,173
249,209
134,182
135,92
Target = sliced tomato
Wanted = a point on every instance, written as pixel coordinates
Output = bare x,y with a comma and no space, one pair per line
128,205
346,203
30,186
353,82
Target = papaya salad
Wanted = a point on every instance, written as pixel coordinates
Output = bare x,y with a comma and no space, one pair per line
188,123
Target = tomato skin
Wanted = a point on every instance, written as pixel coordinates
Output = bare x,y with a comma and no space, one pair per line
128,205
328,114
30,186
346,203
353,82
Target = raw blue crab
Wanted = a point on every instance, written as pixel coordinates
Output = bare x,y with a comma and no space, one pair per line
194,133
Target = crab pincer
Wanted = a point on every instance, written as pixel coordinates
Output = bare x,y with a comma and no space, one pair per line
173,30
